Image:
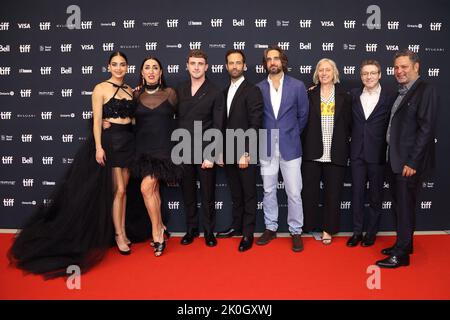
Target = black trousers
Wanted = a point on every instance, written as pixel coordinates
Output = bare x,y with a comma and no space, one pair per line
207,178
333,177
243,194
362,172
404,195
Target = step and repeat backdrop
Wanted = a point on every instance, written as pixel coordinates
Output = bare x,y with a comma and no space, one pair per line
52,53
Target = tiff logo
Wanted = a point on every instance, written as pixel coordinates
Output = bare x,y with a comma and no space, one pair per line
25,93
280,185
433,72
27,137
259,205
5,71
173,68
47,160
393,25
386,205
44,26
66,47
239,45
85,25
172,23
349,24
151,46
217,68
28,182
259,68
216,23
425,205
173,205
67,138
371,47
26,160
5,115
46,71
345,205
260,23
66,93
390,71
195,45
108,46
218,205
4,26
435,26
128,24
305,23
349,69
305,69
87,69
8,202
46,115
87,115
284,45
414,47
327,46
131,69
24,48
7,159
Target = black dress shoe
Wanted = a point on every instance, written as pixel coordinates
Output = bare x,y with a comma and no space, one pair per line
246,243
297,242
189,237
394,261
368,240
266,237
390,250
210,240
230,232
354,240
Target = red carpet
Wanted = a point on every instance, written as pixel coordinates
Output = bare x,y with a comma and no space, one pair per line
269,272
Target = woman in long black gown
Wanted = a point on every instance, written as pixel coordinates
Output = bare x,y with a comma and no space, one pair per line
77,229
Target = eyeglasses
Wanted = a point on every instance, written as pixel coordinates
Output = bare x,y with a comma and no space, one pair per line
372,73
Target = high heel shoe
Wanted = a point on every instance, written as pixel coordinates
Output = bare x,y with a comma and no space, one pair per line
159,248
166,237
122,252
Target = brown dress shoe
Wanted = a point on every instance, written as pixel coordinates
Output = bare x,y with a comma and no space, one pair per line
266,237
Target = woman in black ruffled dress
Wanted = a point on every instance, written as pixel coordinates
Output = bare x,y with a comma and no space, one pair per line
77,229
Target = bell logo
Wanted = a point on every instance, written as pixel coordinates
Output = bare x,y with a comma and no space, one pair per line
24,48
87,69
8,202
238,23
67,70
66,93
27,137
414,47
218,205
390,71
284,45
128,24
24,26
26,160
216,23
393,25
46,115
173,68
7,159
6,48
28,182
172,23
5,71
87,115
66,47
217,68
349,70
44,26
349,24
4,26
67,138
305,23
239,45
131,69
433,72
25,93
425,205
305,69
327,46
151,46
259,68
195,45
46,71
173,205
371,47
5,115
85,25
47,160
303,46
386,205
435,26
108,46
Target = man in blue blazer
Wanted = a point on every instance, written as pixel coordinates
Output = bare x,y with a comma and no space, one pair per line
285,114
371,105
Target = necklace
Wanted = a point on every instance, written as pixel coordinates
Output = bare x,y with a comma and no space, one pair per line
152,90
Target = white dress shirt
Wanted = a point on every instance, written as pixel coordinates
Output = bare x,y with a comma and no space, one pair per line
234,86
369,100
275,95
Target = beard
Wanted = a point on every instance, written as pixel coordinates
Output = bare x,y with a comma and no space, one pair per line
275,70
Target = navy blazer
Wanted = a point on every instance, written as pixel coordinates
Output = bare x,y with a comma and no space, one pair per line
413,129
291,120
369,135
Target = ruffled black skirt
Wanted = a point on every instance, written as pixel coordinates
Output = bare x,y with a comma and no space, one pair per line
157,165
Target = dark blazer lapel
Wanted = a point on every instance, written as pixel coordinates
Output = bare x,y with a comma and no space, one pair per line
266,97
359,106
408,95
236,96
315,97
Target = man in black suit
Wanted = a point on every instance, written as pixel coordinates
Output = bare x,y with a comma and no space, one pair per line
371,106
202,102
410,137
243,115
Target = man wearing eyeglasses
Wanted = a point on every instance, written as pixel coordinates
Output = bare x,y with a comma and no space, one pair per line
370,109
